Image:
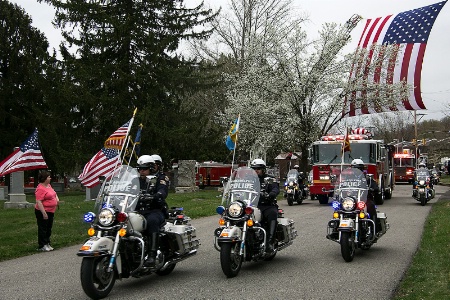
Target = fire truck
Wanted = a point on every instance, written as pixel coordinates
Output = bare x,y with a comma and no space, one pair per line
211,173
404,165
326,154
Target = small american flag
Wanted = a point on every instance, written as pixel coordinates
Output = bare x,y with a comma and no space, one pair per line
27,157
102,164
117,139
410,31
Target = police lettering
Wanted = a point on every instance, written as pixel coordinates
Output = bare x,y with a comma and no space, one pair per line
242,185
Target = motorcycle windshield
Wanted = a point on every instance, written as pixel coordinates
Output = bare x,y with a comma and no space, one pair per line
352,182
292,175
121,191
243,186
422,175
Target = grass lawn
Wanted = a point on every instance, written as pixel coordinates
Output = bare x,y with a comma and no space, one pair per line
19,234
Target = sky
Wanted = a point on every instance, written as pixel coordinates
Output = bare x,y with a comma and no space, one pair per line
436,66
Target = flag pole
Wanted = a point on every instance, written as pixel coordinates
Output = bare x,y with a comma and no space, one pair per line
235,145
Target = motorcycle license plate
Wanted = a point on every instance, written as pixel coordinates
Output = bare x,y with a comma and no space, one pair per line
346,223
421,190
290,191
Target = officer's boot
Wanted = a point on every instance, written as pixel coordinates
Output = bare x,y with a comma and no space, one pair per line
271,237
152,250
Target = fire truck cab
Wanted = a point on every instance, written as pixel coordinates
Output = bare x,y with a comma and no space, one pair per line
404,166
325,157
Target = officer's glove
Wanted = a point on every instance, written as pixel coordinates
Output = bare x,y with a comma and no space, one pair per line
263,195
145,197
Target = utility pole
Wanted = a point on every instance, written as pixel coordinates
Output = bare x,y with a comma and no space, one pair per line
415,135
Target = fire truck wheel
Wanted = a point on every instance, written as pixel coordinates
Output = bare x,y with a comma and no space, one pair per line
388,194
323,199
379,198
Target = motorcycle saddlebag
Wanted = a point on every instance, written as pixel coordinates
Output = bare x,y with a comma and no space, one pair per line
185,237
285,230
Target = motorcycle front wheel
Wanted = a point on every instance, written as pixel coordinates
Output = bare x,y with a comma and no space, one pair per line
97,283
423,200
347,246
230,260
290,200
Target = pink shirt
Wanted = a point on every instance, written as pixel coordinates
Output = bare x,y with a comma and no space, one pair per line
48,197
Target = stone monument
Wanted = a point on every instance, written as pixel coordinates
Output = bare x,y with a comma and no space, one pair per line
17,198
185,181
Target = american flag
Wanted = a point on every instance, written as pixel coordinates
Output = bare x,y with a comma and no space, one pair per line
117,139
27,157
102,164
410,31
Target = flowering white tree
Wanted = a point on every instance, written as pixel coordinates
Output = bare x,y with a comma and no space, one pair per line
291,90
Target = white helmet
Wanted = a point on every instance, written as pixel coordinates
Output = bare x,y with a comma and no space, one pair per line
296,167
145,161
157,159
422,165
358,163
258,163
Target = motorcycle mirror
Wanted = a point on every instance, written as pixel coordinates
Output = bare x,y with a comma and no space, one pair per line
333,178
151,179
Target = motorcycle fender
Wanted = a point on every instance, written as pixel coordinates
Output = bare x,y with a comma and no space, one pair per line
97,246
346,225
231,233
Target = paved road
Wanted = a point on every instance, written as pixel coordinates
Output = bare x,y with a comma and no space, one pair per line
312,268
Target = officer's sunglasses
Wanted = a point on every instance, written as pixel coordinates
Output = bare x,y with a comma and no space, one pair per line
143,168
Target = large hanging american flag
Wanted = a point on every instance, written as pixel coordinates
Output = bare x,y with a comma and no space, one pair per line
102,164
117,139
410,31
27,157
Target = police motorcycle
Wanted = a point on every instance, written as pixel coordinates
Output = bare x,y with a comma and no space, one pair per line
241,236
351,225
116,247
423,190
292,190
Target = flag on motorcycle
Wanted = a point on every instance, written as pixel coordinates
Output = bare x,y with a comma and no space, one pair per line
117,139
409,31
137,140
136,147
346,144
102,164
108,158
232,134
27,157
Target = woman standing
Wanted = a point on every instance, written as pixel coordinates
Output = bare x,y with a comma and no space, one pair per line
46,203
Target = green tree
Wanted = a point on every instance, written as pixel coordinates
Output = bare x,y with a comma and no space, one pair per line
23,58
119,55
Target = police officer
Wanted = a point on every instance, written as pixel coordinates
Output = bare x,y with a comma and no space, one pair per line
422,167
152,204
373,190
267,201
301,181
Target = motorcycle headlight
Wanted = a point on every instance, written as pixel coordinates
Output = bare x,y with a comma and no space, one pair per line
235,210
348,204
291,183
422,182
106,216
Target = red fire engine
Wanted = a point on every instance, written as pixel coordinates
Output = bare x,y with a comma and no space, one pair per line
325,158
404,164
210,173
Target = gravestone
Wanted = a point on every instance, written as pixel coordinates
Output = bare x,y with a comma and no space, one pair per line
185,177
17,198
92,193
3,193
